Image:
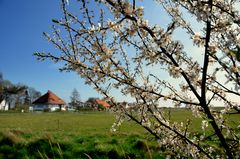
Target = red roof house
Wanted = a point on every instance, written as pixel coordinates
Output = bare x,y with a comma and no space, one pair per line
97,103
102,103
48,101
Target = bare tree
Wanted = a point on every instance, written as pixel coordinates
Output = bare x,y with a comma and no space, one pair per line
19,94
33,94
112,46
75,99
14,93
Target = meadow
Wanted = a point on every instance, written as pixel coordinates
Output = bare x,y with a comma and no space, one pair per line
80,135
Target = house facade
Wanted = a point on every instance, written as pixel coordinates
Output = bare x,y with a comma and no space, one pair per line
48,102
4,105
97,104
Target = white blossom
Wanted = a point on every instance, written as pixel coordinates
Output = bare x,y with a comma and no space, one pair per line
143,61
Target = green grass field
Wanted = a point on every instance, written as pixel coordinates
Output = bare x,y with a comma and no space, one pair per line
64,125
80,135
71,135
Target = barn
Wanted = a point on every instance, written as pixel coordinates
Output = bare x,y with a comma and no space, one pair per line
48,102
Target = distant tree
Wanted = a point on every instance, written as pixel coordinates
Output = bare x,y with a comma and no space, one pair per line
13,93
75,98
24,98
1,87
33,94
27,100
1,77
91,100
20,94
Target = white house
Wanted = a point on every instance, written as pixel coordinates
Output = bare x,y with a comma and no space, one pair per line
4,105
48,101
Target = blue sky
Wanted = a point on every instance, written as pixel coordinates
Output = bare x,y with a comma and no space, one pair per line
22,24
21,27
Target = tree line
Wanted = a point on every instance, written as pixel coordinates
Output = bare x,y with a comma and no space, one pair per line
78,105
17,96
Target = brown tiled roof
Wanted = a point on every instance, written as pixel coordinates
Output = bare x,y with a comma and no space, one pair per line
49,98
102,103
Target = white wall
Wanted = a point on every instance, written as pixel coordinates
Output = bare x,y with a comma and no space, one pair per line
41,107
4,105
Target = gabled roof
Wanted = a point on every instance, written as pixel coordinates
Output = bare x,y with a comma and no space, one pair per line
102,103
49,98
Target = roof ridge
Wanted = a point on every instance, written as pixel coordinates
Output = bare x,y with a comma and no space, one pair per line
49,98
